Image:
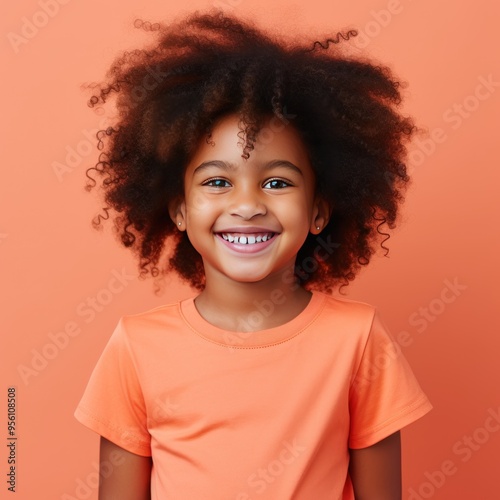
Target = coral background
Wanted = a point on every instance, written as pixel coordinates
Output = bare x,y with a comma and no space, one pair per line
439,283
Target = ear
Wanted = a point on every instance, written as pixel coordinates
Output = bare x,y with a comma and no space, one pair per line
177,212
322,211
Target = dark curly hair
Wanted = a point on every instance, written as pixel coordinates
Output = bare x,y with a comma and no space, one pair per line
208,65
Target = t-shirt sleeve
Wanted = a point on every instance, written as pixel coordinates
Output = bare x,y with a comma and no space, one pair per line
113,403
384,396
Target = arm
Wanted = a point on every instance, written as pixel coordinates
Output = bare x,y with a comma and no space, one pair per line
376,470
129,476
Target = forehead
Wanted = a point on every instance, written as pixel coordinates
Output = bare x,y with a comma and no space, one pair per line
275,140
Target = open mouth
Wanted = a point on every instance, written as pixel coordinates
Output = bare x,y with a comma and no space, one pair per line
247,238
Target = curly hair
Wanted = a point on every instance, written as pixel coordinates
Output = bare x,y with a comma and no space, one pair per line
208,65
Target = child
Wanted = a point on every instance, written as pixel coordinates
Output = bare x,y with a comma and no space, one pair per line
263,385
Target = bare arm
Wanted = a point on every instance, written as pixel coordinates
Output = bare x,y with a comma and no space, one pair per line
123,475
376,470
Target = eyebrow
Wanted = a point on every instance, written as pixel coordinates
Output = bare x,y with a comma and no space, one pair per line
227,165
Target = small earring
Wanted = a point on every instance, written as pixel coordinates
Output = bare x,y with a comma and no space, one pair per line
317,227
180,223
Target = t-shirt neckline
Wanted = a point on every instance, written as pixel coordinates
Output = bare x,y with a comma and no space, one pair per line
248,339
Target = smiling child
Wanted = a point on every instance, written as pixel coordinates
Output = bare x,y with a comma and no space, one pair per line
268,166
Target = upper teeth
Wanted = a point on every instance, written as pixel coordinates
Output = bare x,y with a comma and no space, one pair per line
247,240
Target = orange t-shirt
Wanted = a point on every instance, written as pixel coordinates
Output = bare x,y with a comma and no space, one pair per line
251,415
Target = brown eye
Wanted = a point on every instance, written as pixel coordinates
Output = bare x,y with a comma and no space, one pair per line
218,183
276,184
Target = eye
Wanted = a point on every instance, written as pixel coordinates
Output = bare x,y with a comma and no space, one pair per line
277,184
217,183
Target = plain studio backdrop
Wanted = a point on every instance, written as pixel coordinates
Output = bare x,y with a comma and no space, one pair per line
65,285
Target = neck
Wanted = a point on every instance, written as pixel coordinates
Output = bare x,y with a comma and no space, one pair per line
238,306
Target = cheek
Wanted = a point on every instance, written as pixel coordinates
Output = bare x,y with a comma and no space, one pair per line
197,203
296,221
300,210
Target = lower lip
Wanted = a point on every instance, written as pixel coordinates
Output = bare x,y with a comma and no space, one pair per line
247,248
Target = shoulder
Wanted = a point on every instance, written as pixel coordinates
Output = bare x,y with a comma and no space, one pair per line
139,336
348,310
349,322
157,319
154,312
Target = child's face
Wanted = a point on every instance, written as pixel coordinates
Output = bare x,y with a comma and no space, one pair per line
249,218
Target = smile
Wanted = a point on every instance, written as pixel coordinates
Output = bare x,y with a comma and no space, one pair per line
247,239
247,243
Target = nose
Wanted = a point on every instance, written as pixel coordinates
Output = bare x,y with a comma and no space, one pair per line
247,203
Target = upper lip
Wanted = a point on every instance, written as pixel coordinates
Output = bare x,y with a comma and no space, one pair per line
247,230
